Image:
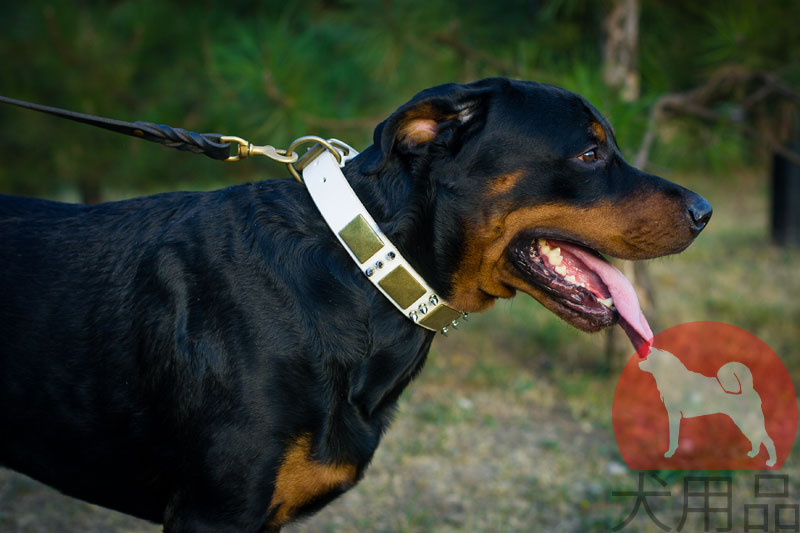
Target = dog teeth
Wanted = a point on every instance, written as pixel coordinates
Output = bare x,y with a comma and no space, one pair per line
562,270
554,256
571,278
545,247
608,302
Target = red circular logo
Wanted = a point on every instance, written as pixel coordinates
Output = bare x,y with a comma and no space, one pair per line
709,396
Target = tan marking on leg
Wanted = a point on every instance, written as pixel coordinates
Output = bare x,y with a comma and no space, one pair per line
301,478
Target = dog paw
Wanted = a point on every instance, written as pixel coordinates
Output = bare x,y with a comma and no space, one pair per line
669,453
771,462
752,453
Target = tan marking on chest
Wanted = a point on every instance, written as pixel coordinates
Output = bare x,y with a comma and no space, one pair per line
301,478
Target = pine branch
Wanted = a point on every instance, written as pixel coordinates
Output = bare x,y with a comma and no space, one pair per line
277,96
449,37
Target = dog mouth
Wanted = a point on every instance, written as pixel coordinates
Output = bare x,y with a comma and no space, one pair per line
583,288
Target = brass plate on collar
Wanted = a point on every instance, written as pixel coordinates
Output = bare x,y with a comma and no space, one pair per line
440,317
402,287
360,238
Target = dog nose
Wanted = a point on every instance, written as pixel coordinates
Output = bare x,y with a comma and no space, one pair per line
699,212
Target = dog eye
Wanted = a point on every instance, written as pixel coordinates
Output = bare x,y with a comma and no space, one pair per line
589,156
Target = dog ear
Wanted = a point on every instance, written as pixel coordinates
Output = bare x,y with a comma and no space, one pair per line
435,117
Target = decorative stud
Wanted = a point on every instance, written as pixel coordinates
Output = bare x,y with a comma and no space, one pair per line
454,323
369,272
379,264
465,316
423,309
433,300
390,256
444,331
413,316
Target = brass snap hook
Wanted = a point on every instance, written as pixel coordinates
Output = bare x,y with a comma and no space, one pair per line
246,149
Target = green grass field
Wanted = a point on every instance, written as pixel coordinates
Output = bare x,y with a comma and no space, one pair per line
509,426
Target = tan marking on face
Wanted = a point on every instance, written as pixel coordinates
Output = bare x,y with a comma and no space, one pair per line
599,132
504,183
301,478
637,228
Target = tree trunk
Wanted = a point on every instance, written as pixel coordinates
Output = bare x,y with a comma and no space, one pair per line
620,53
785,216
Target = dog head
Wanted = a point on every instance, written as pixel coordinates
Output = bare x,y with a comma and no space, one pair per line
659,362
510,171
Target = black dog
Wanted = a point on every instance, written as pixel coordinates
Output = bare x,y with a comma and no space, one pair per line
217,362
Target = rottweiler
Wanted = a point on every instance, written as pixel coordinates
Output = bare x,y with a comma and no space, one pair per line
215,361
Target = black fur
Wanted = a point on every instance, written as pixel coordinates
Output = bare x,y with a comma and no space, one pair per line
158,354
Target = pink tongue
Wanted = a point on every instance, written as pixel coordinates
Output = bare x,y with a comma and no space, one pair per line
631,318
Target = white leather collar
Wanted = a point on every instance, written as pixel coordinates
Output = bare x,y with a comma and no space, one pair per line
377,258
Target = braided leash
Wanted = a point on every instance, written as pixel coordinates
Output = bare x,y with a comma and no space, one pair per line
213,145
209,144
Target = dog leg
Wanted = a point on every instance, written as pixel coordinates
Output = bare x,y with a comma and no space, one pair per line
770,446
756,444
752,425
674,431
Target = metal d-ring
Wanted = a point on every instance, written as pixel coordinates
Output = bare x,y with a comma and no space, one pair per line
311,154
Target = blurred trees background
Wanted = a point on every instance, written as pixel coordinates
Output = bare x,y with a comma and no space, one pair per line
705,85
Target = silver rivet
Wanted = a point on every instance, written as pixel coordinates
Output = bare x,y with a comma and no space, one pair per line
433,299
465,316
379,264
413,316
423,309
455,324
390,256
369,271
444,331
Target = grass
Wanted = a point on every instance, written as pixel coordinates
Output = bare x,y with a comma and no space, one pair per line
508,428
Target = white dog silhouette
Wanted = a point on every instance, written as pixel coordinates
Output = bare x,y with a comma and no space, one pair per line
687,394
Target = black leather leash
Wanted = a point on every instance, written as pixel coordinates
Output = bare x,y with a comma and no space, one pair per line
213,145
209,144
